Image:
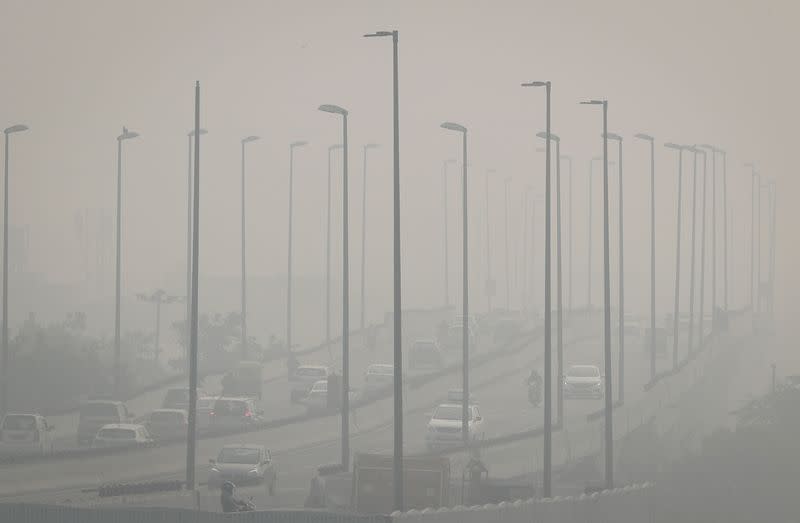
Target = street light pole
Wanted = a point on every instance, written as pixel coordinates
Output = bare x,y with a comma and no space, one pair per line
4,364
621,314
568,159
190,136
692,293
725,227
191,439
609,433
160,298
752,232
244,272
397,466
465,290
703,253
446,244
335,109
292,147
364,234
489,281
713,151
507,181
328,255
589,249
651,140
548,308
126,135
676,310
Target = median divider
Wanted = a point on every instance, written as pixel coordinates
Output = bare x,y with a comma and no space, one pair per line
147,487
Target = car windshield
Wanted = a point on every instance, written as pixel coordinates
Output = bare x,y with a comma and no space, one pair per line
583,372
117,434
239,456
320,386
230,408
19,423
449,412
204,403
174,418
99,410
306,372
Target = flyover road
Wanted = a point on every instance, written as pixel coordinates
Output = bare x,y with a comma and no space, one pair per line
276,389
300,448
89,471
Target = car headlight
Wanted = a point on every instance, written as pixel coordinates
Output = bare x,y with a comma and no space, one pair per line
253,472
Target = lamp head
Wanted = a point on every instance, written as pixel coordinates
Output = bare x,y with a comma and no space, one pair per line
671,145
454,127
250,139
202,132
593,102
643,136
535,84
300,143
127,135
613,136
543,136
379,33
328,108
15,129
334,147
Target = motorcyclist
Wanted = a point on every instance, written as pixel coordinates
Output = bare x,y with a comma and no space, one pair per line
229,502
534,382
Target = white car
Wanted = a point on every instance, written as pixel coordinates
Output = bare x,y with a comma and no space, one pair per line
122,435
304,377
25,434
583,381
378,376
240,464
444,427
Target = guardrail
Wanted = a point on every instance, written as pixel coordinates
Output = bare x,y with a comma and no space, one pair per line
28,513
630,504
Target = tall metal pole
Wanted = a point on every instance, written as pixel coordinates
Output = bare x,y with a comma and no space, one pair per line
345,306
398,351
548,365
676,311
446,244
363,237
692,293
752,234
653,342
559,291
713,238
589,246
328,254
117,363
773,218
5,358
191,440
188,253
524,269
621,327
505,230
244,272
465,305
609,433
289,255
397,466
489,283
703,256
569,234
725,224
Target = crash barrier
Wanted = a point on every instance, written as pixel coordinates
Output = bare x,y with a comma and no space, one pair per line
29,513
146,487
630,504
517,343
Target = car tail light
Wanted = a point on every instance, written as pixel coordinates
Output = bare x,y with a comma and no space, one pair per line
248,414
211,413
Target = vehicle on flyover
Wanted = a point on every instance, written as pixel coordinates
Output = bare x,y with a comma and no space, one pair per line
243,464
304,377
444,427
25,434
116,435
583,381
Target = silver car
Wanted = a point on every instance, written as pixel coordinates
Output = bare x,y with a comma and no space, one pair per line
583,381
242,464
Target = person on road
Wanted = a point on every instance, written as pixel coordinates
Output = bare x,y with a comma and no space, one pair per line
229,502
534,382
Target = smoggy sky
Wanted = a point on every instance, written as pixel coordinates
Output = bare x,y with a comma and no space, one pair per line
723,72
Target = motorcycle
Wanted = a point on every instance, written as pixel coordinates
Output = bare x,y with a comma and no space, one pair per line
248,506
